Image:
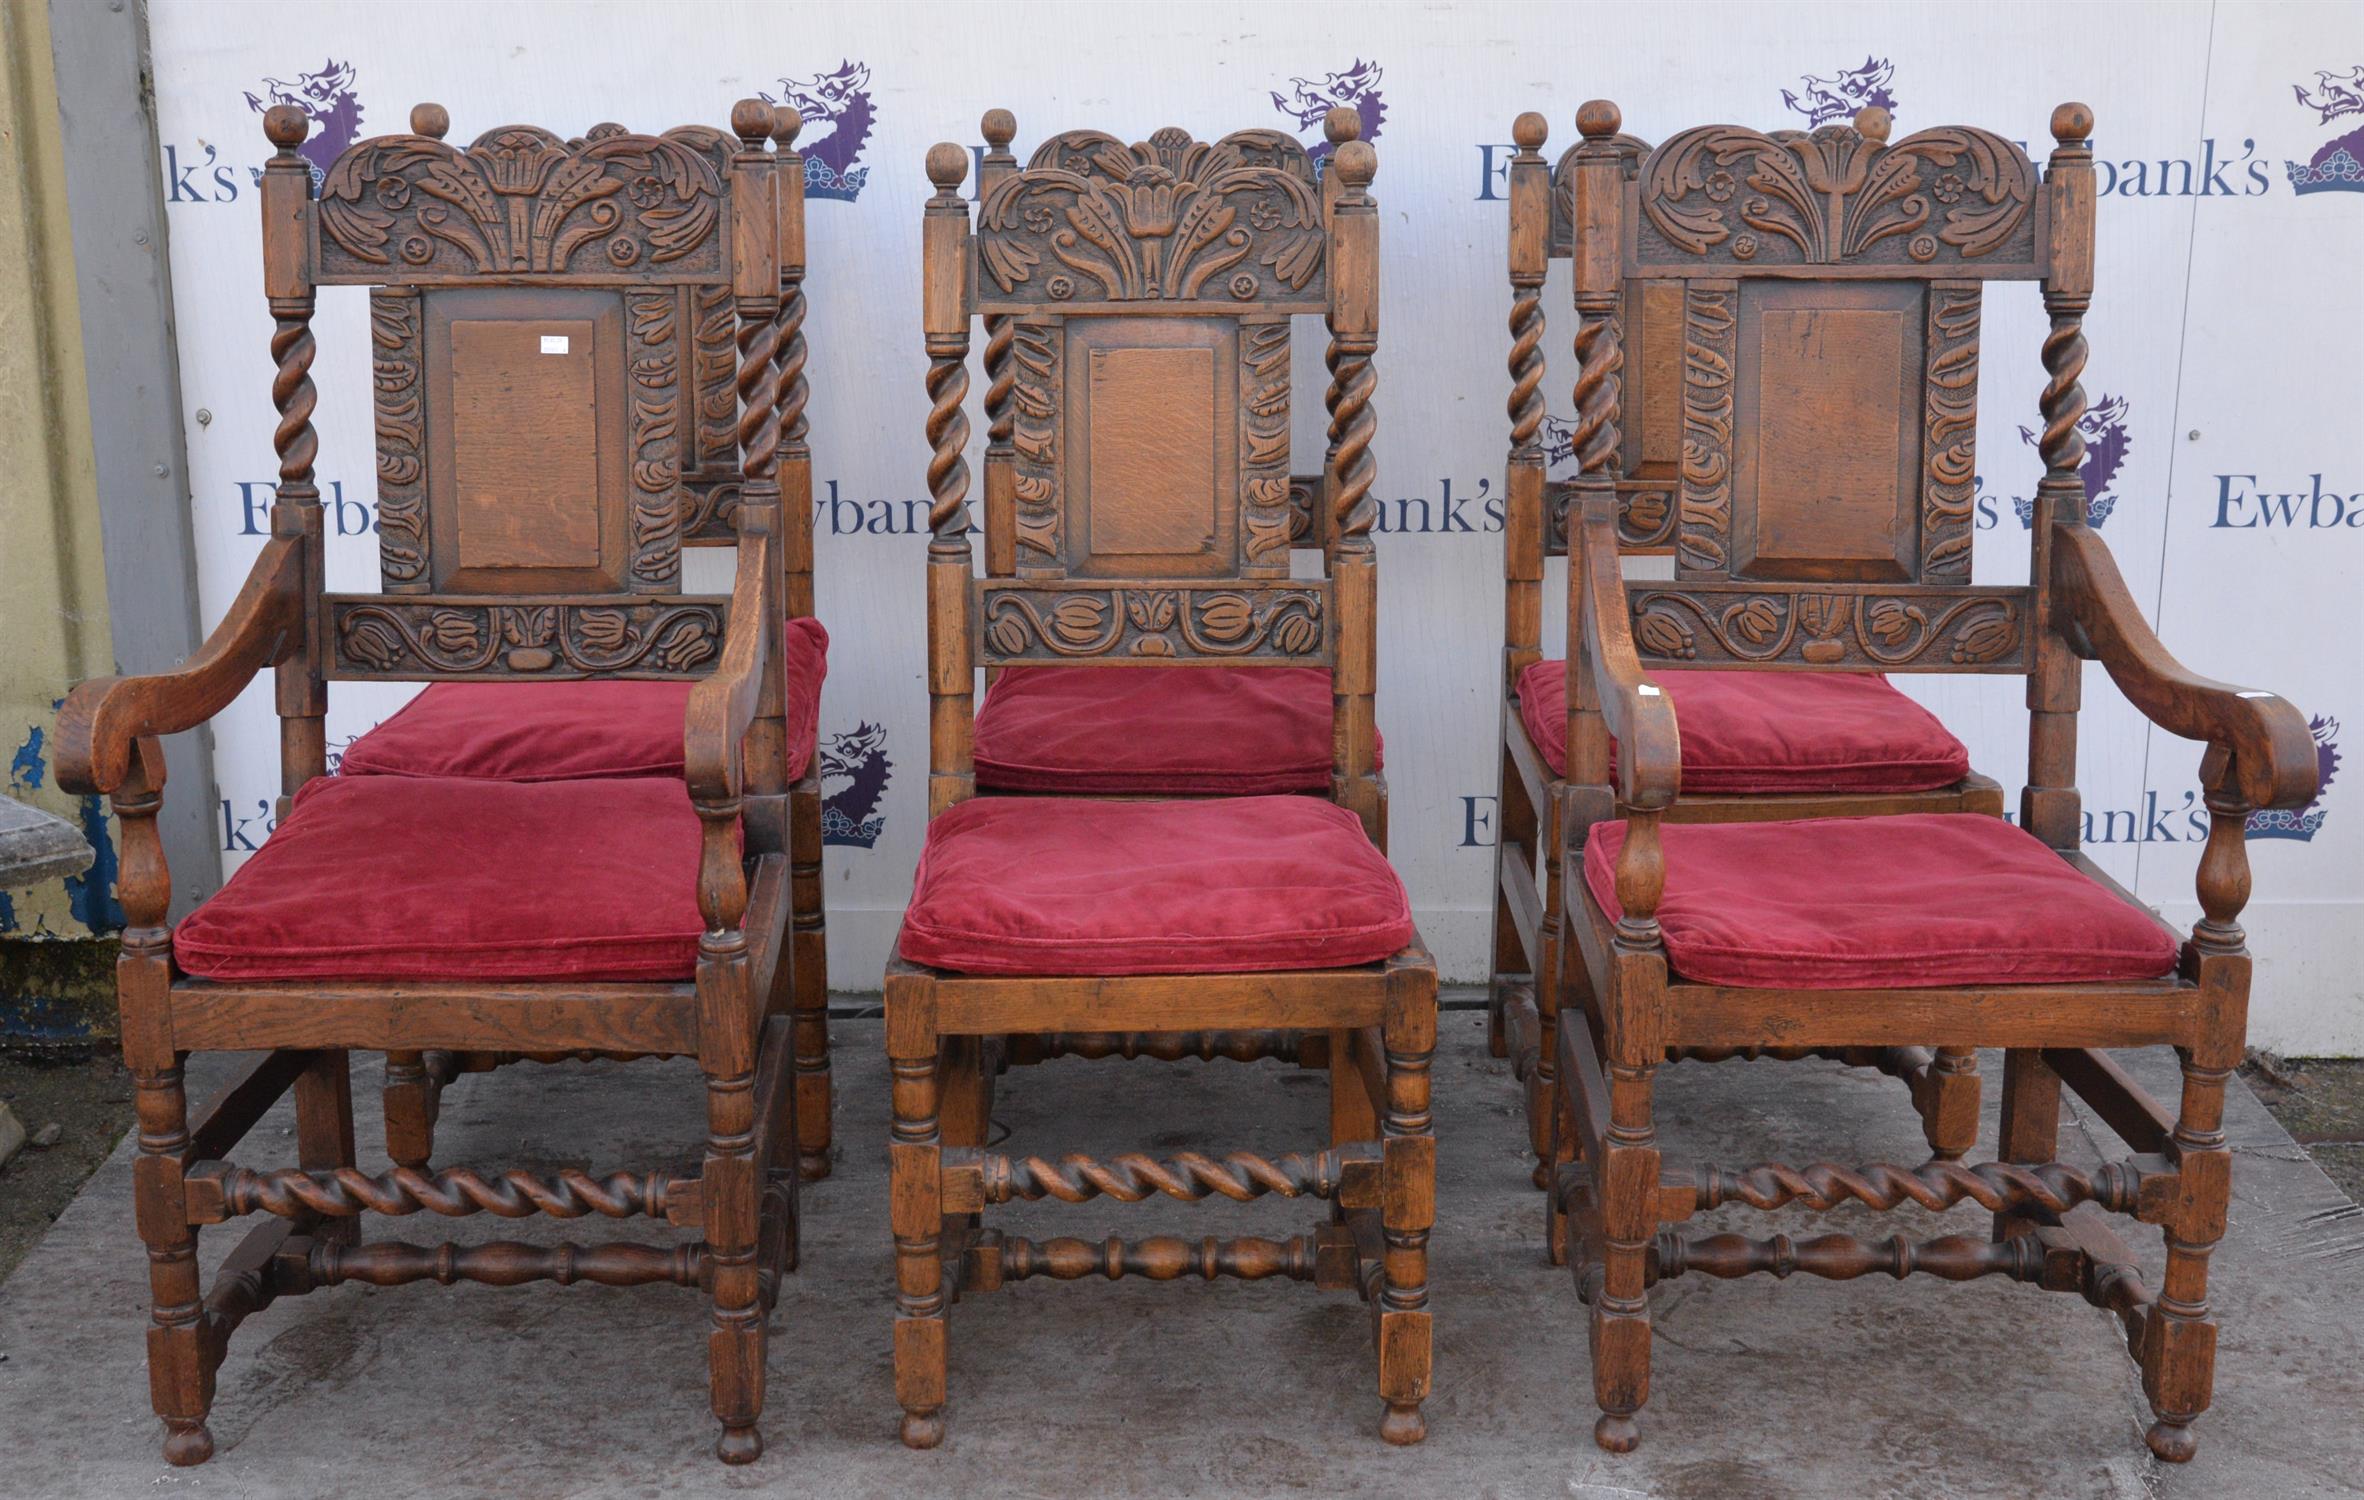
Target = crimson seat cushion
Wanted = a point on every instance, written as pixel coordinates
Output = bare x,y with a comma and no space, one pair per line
400,877
563,731
1761,732
1905,902
1174,731
1028,885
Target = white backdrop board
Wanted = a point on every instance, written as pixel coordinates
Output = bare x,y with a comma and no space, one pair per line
2226,446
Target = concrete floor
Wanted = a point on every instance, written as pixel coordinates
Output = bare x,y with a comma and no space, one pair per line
1803,1388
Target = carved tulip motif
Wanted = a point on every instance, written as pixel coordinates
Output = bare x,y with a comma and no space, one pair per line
1224,617
1078,620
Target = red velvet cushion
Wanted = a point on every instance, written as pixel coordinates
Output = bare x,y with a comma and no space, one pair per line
384,877
1910,901
1049,885
1755,732
563,731
1223,731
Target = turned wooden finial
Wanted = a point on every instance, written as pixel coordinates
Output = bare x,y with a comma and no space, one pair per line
1357,163
751,122
1873,122
430,120
1342,124
286,126
1530,130
1000,128
947,165
1598,119
2072,123
786,122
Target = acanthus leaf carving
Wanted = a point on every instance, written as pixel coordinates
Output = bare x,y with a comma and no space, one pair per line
398,364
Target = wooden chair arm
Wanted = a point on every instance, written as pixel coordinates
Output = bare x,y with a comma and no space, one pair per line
1637,710
103,717
2273,754
722,706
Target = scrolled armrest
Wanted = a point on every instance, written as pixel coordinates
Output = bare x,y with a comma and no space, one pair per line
103,718
722,706
2273,754
1637,710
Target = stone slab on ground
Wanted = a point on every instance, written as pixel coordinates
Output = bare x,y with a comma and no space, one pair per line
37,846
1761,1389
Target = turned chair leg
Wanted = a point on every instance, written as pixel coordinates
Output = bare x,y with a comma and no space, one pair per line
2029,1133
1408,1169
1626,1178
734,1184
1951,1120
2179,1343
180,1374
1514,828
409,1105
915,1188
809,966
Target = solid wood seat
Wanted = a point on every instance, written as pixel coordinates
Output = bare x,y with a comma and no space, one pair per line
1037,885
1156,731
527,296
1139,517
1775,733
1830,327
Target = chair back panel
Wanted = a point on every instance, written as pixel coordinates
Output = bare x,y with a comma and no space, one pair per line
1829,287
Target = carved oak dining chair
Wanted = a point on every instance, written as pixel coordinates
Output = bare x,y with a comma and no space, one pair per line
686,368
533,530
1756,744
1830,317
1107,731
1147,290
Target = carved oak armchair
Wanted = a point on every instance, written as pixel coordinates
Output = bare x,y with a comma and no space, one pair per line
1146,290
1757,744
1094,730
526,729
1829,325
533,530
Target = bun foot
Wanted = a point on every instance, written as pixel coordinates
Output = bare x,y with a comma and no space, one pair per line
1403,1425
187,1444
1617,1434
1542,1175
923,1429
739,1445
2173,1442
812,1166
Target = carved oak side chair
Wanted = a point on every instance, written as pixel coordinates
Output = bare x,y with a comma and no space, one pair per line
534,529
528,731
1096,730
1756,744
1151,285
1830,316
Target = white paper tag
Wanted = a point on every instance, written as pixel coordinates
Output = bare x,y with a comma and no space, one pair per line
553,343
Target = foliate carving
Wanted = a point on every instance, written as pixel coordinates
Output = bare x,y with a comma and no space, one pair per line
1949,435
710,512
398,363
709,489
1645,516
522,200
1156,620
1724,193
403,639
1925,629
653,439
1703,543
1304,494
1035,376
1170,219
1266,520
1079,151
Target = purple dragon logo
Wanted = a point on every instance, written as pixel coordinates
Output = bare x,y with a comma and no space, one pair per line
839,104
327,96
854,775
2106,444
2339,166
2303,823
1835,99
1308,100
1559,441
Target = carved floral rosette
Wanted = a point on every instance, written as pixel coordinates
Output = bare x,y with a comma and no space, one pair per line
1726,194
396,638
1911,629
1172,219
521,201
1166,622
